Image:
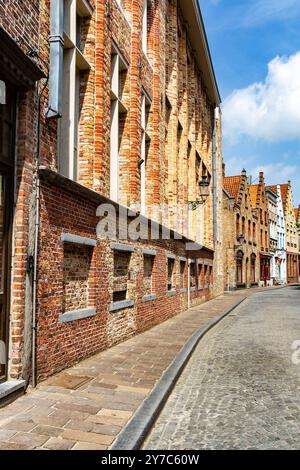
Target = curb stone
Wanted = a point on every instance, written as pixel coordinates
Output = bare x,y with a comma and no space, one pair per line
134,433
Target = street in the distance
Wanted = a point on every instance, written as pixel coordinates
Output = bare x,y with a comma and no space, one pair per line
240,390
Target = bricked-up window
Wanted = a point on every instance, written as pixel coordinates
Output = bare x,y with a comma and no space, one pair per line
76,279
182,273
121,275
146,106
193,280
118,113
249,231
148,273
75,67
171,274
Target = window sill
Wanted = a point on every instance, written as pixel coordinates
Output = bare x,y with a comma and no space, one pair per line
193,289
183,291
114,306
77,315
149,297
171,293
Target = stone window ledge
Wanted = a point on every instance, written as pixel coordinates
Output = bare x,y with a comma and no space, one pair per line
183,290
77,315
171,257
122,247
149,297
192,289
70,238
149,252
171,293
114,306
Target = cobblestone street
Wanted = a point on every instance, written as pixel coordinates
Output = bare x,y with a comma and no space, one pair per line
240,390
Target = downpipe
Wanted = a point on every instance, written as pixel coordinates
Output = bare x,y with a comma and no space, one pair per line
36,241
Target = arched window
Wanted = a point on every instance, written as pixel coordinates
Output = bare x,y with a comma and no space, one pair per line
239,267
253,268
249,231
238,233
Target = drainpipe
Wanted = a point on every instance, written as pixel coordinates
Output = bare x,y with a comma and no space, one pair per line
56,60
36,240
189,283
214,165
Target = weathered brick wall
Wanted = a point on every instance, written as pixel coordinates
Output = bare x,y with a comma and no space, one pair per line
168,71
20,19
61,345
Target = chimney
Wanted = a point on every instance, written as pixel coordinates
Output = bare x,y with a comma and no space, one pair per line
261,177
224,169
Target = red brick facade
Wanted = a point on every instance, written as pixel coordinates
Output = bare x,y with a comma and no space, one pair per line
74,276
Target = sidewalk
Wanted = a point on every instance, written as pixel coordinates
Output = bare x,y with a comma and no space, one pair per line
88,405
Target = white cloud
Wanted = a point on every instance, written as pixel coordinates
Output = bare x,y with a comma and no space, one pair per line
268,110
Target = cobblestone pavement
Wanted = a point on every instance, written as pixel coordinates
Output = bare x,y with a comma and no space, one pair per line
86,406
240,390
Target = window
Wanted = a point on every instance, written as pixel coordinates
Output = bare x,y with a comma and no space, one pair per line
200,276
118,113
249,231
171,274
253,268
182,274
244,226
121,275
74,66
239,267
254,232
210,276
76,278
238,233
146,105
148,274
198,169
145,27
193,281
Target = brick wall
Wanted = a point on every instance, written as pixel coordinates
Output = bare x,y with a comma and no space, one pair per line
61,345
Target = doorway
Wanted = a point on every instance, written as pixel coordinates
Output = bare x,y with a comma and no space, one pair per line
7,155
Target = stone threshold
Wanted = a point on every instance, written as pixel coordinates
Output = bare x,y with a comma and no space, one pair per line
10,388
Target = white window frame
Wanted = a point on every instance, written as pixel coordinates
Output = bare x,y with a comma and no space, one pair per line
145,27
118,64
74,61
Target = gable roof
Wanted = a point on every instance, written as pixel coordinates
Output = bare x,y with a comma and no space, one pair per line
232,184
284,191
272,188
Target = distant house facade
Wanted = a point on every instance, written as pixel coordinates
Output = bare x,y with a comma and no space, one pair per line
240,234
279,260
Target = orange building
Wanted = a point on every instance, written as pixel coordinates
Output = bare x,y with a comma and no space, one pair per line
259,203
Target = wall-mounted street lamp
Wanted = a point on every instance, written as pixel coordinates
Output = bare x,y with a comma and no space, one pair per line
241,239
203,193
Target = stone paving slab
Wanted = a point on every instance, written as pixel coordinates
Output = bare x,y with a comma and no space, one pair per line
108,387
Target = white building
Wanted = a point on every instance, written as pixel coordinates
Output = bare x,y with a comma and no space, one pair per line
279,260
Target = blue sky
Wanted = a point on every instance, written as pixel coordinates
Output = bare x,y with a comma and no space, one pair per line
255,46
